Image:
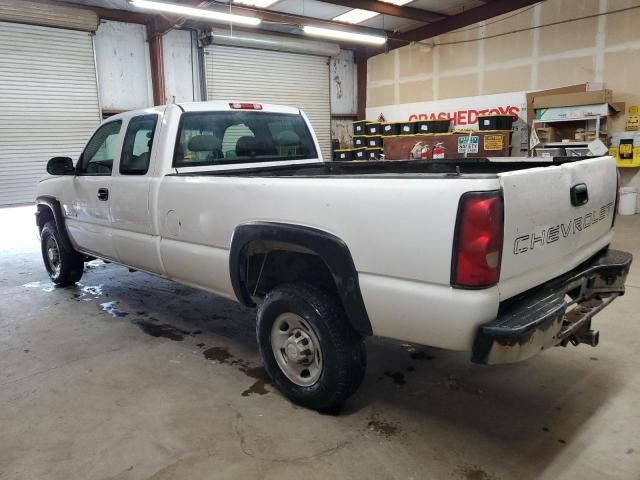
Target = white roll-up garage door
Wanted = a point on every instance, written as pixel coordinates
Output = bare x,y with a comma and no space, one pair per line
48,103
235,73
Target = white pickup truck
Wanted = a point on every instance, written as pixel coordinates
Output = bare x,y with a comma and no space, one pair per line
499,258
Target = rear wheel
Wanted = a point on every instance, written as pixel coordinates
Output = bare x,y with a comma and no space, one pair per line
64,268
308,347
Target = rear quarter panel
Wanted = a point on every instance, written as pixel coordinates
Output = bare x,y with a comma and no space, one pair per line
399,232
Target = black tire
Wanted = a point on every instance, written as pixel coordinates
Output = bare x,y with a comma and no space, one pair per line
67,267
342,348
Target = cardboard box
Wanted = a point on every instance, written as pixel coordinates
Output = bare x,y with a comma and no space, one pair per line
573,99
547,134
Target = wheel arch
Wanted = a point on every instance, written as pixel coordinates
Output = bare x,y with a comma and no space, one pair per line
49,208
331,250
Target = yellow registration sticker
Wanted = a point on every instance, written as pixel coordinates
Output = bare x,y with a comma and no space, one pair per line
493,142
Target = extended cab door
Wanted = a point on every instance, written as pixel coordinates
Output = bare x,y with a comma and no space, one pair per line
86,202
132,227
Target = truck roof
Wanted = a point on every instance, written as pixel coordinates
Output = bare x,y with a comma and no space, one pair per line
221,105
214,106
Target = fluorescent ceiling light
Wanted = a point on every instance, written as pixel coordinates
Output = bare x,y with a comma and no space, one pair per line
342,35
195,12
256,3
358,15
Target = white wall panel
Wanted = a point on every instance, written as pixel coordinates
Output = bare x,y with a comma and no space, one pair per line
181,81
48,103
124,69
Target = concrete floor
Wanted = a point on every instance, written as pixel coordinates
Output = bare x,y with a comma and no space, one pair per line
132,377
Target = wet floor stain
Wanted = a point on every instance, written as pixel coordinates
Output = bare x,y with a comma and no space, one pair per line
397,377
162,330
219,354
44,286
92,290
473,472
222,355
110,308
382,427
262,380
420,355
94,264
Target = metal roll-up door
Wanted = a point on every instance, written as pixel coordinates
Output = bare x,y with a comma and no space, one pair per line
48,103
298,80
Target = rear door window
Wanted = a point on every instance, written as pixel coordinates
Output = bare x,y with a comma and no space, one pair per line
210,138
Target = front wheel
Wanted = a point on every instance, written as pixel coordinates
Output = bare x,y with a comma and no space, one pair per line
64,268
309,349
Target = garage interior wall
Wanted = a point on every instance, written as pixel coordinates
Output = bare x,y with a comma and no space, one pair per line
236,73
602,49
48,103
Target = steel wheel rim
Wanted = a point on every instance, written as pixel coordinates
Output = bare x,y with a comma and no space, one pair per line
53,255
296,349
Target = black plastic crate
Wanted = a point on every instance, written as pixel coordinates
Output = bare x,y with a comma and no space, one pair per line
495,122
343,155
433,126
390,128
360,154
359,127
373,153
374,142
408,128
359,141
374,128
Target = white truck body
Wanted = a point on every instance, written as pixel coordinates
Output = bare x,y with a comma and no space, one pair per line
399,227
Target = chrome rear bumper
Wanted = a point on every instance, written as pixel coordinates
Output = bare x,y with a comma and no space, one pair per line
542,318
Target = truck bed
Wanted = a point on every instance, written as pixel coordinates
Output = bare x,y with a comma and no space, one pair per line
446,168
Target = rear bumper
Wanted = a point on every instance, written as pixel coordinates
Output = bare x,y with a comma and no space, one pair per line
541,318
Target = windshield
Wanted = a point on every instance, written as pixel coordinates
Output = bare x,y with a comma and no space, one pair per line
211,138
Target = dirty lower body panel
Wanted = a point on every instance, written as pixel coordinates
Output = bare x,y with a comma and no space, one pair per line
556,313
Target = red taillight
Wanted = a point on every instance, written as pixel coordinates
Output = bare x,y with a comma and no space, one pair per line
477,245
245,106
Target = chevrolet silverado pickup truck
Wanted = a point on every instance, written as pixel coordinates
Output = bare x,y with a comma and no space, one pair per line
502,258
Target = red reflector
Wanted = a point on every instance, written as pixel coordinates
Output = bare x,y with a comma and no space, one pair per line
478,241
245,106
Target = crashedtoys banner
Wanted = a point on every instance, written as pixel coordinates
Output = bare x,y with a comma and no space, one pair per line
464,113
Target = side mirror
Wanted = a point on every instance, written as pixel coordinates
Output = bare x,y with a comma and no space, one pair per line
60,166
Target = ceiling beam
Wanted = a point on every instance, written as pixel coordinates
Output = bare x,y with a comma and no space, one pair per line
478,14
464,19
385,8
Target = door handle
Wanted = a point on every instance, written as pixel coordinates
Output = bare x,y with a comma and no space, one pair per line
103,194
579,194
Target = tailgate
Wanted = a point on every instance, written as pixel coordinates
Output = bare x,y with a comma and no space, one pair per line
550,226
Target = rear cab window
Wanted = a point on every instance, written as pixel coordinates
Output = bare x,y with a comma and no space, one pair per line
226,137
